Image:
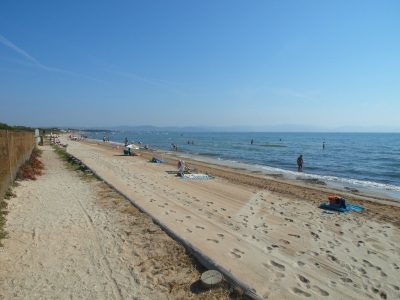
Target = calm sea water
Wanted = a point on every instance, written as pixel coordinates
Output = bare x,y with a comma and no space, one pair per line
357,159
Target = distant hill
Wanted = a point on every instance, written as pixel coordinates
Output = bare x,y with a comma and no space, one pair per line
276,128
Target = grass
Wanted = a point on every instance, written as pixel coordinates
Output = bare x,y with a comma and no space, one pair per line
3,213
72,165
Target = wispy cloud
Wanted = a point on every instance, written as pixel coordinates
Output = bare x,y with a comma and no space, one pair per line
33,62
21,52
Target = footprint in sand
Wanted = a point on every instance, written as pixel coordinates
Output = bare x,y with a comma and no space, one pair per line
221,236
319,291
361,271
211,240
269,249
188,217
177,220
223,209
172,211
299,292
284,241
382,274
382,294
394,266
367,263
333,283
334,259
235,255
199,227
161,206
189,231
272,263
316,236
295,235
303,279
298,264
237,250
352,258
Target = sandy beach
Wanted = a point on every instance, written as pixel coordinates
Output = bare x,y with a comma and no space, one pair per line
264,229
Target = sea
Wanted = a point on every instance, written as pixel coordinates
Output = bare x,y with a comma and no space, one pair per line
353,160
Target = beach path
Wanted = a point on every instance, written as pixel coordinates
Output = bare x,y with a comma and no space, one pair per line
284,248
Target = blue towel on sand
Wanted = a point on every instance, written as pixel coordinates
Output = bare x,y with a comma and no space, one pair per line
156,160
349,207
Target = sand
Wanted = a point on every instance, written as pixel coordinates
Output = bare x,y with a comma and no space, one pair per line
267,231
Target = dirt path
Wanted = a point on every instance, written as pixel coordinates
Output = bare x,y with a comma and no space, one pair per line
80,240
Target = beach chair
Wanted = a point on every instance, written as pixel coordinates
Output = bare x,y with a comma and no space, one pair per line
189,169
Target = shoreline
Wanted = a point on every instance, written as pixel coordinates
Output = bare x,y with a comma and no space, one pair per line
262,227
313,179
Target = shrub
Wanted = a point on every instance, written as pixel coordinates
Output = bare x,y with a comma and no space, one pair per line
32,167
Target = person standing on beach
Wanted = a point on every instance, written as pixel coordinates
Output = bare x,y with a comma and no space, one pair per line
300,163
126,141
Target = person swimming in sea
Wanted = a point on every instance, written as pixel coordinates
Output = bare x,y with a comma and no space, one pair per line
300,163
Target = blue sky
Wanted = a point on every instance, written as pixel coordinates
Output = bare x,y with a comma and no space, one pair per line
195,63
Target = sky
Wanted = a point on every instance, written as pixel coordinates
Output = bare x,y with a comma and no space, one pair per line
200,63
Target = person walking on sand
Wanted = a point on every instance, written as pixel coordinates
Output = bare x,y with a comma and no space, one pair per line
300,163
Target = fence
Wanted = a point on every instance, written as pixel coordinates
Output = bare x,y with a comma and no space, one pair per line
15,150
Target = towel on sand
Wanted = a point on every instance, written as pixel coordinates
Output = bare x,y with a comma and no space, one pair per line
196,176
156,160
349,207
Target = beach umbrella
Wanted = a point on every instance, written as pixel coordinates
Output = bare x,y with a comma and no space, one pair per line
134,147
